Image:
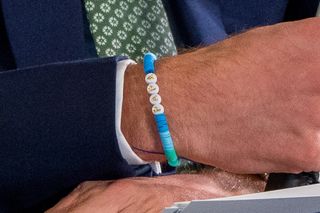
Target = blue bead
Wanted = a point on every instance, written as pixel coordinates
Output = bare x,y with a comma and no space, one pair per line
160,117
148,62
166,140
161,122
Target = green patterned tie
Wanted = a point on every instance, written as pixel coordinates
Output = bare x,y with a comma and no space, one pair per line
130,27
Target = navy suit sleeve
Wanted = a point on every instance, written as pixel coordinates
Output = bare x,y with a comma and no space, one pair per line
57,108
57,129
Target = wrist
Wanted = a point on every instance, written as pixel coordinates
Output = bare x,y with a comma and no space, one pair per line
138,124
137,121
183,82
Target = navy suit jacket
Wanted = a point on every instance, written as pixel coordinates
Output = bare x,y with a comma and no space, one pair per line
57,98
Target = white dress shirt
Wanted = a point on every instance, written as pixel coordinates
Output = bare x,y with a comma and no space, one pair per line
127,153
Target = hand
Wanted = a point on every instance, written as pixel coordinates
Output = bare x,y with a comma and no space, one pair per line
249,104
154,194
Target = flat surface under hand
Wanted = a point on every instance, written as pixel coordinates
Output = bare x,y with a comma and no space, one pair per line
299,199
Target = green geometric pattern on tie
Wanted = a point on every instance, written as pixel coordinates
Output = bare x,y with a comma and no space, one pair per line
130,27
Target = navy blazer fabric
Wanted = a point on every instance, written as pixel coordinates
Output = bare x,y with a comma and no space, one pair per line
199,23
57,130
45,31
57,106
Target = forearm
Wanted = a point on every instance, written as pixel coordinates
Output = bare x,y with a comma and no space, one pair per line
248,104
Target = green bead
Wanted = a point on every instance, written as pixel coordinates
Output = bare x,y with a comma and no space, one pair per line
172,158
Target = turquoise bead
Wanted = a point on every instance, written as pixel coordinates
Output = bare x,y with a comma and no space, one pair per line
148,62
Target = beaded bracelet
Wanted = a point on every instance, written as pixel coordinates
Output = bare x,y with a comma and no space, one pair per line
158,110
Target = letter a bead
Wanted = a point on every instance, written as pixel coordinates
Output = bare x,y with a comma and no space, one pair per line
155,99
153,89
157,109
151,78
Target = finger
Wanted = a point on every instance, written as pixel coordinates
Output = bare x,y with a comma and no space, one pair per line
79,194
65,203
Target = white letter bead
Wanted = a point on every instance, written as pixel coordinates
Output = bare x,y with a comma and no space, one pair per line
151,78
157,109
153,89
155,99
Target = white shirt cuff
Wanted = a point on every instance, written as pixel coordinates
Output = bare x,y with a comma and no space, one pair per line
127,153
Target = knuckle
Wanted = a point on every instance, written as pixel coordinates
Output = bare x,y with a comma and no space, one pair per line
82,186
294,170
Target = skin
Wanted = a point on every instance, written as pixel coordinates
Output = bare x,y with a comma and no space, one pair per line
154,194
239,105
249,104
